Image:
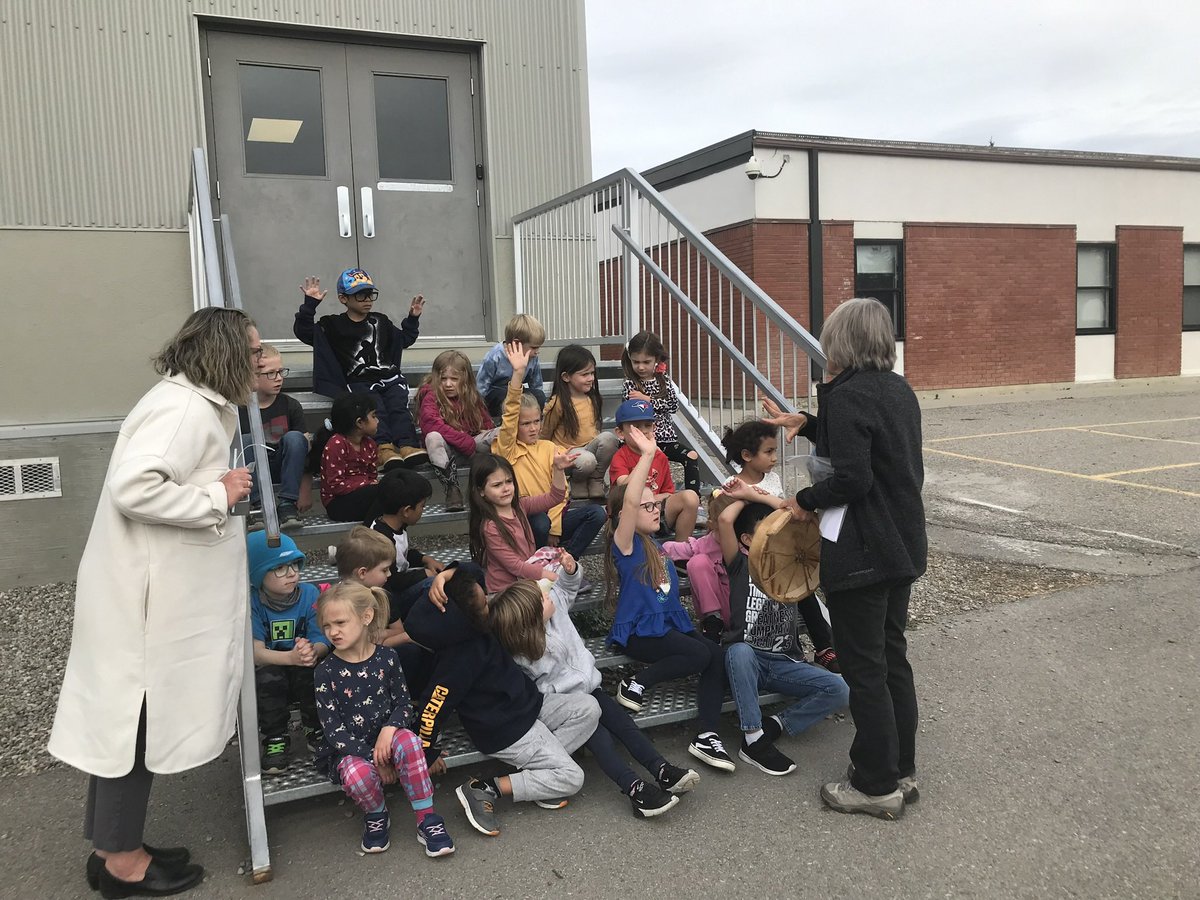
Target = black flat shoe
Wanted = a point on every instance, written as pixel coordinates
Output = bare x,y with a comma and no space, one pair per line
168,856
160,881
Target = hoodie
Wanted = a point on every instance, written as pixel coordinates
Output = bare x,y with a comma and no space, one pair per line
567,666
471,673
329,378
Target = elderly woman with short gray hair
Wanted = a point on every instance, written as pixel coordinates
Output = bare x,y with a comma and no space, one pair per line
869,430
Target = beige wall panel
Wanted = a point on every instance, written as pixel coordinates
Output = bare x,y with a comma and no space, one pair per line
41,540
861,187
101,99
105,303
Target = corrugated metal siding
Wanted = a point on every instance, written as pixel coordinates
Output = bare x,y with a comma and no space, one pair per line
101,102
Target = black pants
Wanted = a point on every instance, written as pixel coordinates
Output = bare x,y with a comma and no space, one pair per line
115,817
676,452
354,506
868,636
676,655
276,687
615,723
818,629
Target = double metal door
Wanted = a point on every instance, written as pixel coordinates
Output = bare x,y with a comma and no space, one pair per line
330,155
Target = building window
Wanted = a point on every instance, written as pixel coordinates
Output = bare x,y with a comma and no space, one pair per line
1191,287
1095,292
879,273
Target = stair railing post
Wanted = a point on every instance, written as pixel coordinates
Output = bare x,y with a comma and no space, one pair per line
630,268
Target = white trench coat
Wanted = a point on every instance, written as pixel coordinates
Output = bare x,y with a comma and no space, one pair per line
160,600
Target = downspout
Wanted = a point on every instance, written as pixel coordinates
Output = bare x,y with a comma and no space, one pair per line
816,257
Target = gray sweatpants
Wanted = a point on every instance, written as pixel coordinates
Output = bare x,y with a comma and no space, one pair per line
543,754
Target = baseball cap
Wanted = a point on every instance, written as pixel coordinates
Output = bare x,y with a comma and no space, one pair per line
635,411
355,281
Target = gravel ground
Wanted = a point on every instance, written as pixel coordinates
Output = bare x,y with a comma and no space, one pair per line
28,695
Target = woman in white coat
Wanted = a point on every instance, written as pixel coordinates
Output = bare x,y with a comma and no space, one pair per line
152,682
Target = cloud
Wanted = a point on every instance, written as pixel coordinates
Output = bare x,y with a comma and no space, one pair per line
668,77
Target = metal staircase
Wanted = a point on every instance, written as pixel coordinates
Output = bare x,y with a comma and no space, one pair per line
595,266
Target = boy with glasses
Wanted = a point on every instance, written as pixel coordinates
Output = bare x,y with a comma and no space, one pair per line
288,644
287,443
360,350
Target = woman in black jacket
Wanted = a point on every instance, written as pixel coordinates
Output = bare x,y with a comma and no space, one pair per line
869,431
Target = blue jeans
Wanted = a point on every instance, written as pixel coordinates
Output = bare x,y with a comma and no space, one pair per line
580,525
753,671
391,406
287,465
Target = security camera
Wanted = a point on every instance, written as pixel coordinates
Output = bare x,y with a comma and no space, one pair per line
753,168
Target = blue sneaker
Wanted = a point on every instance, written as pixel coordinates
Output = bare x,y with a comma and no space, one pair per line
375,832
432,835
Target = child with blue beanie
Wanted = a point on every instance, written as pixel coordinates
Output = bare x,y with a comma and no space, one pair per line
288,644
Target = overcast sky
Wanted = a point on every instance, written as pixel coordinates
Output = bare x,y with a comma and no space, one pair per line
668,77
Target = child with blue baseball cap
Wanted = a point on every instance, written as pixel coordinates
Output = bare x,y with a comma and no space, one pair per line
360,351
677,509
288,644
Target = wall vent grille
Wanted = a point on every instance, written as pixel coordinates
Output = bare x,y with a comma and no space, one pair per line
30,479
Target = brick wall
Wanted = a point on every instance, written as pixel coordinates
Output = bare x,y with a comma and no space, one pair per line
1149,301
988,305
837,248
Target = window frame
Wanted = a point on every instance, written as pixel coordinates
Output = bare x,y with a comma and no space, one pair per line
1111,248
1184,326
898,317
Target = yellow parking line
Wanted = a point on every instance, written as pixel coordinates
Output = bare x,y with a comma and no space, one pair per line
1142,437
1149,469
1100,479
963,437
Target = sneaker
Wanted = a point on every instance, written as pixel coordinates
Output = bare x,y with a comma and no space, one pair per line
712,627
827,659
907,785
708,749
676,780
375,832
766,756
558,803
411,457
275,756
479,803
454,498
314,738
289,515
650,800
846,798
629,695
432,835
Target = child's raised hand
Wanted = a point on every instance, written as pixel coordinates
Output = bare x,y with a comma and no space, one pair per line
638,395
417,306
518,355
567,561
312,288
639,442
564,459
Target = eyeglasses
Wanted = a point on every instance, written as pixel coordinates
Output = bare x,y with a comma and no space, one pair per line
649,506
366,295
288,568
276,374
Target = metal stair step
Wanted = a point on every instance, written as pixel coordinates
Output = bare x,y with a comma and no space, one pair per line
667,704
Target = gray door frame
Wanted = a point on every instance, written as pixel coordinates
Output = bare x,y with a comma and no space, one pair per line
210,24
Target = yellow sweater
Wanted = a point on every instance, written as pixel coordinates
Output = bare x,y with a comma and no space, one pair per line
532,463
555,429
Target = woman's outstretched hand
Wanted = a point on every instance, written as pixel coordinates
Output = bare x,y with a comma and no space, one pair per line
793,422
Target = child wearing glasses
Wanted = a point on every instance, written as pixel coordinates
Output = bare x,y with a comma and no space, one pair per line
533,462
288,644
287,443
360,351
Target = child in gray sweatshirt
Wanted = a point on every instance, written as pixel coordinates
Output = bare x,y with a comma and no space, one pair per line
536,628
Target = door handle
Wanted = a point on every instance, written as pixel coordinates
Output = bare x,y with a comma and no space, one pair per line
368,211
345,227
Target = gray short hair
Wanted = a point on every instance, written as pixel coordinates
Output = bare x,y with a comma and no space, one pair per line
859,335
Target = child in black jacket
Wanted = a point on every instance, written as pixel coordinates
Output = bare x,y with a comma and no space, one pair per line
503,712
